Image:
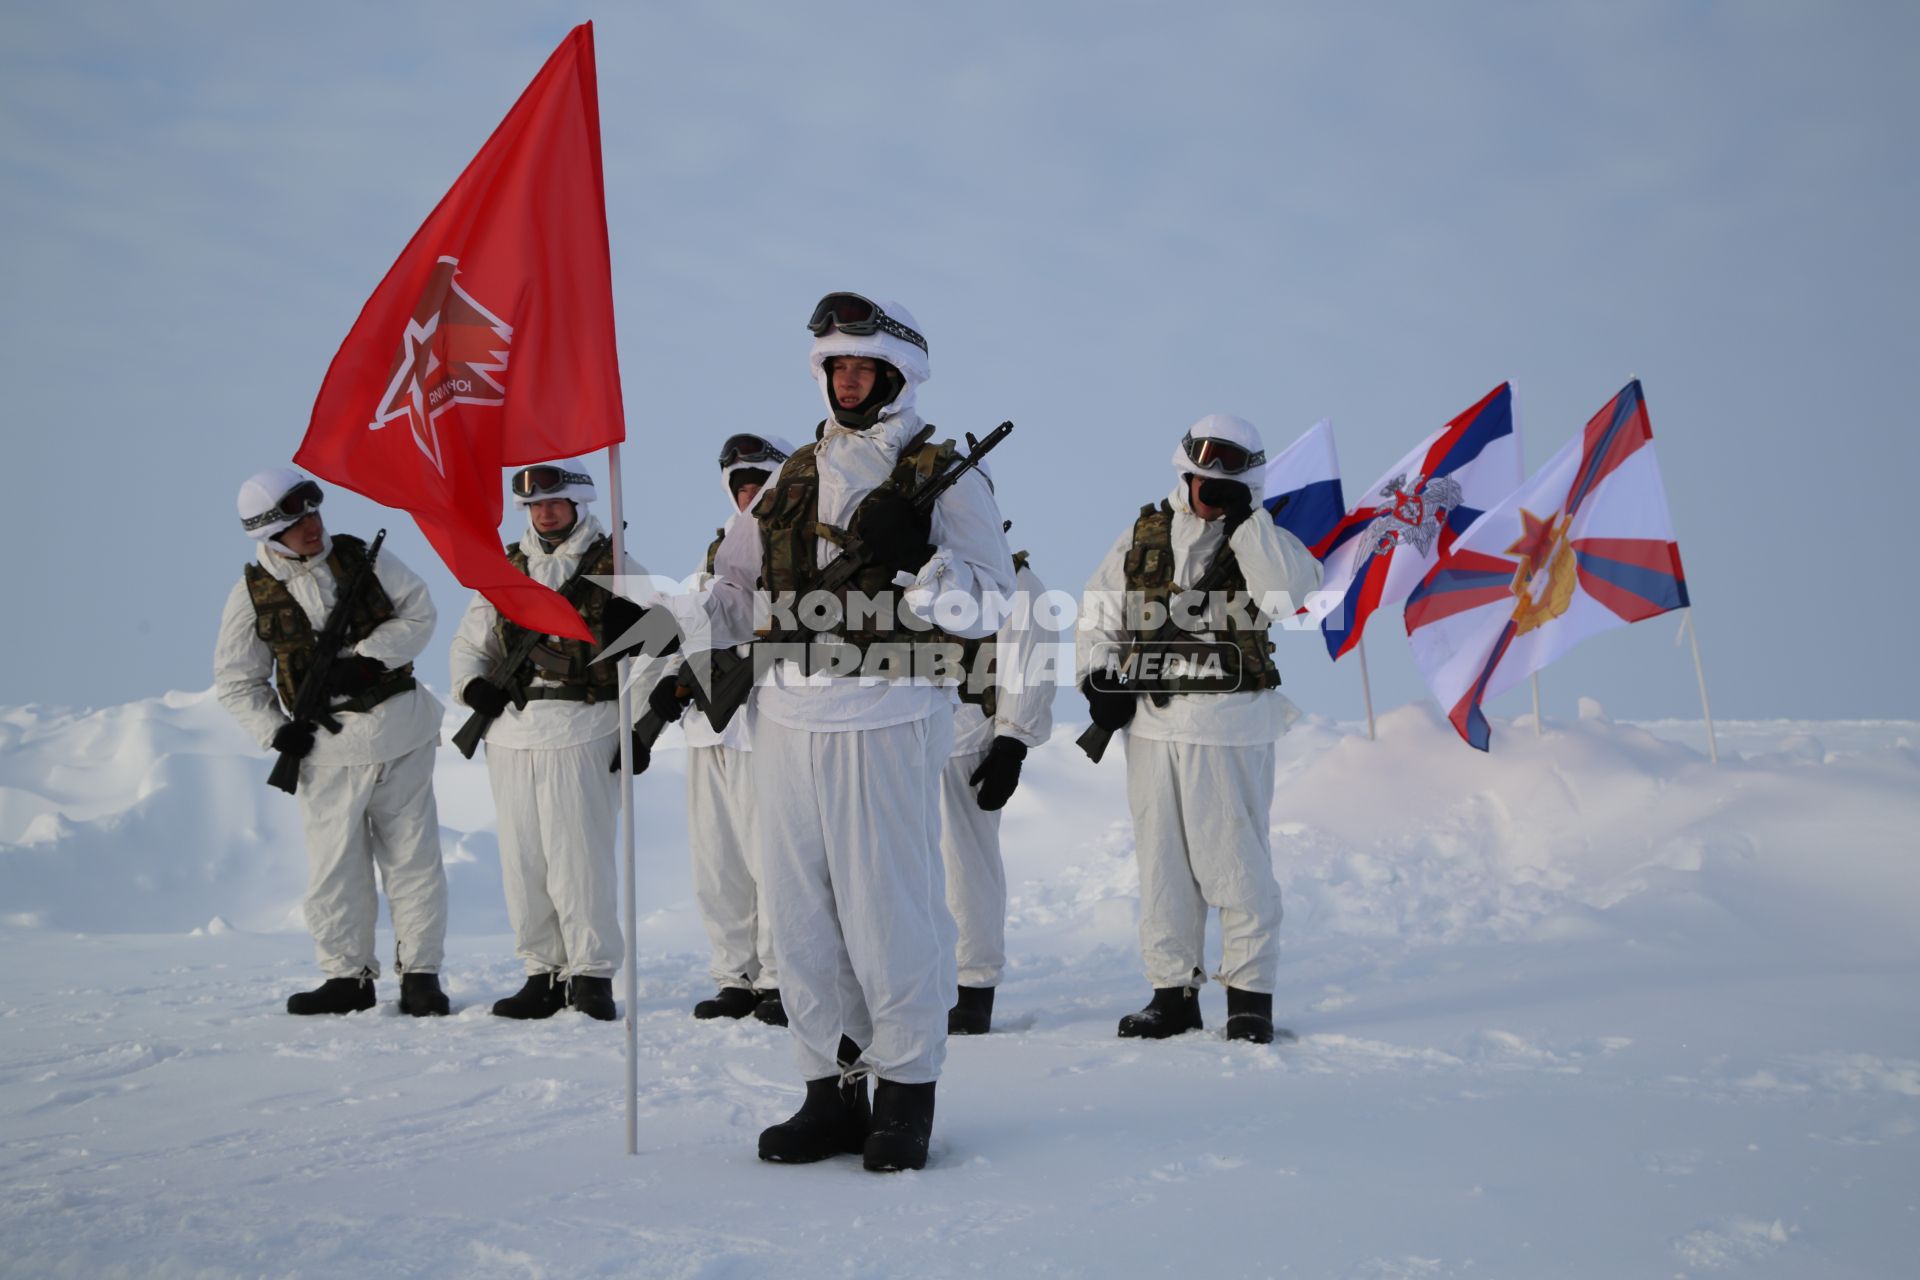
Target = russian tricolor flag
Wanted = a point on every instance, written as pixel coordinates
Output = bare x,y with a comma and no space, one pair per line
1584,546
1379,551
1307,476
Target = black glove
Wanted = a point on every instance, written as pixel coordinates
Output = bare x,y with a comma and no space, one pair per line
1230,496
666,700
999,773
898,535
642,756
621,616
1111,708
294,739
351,675
484,696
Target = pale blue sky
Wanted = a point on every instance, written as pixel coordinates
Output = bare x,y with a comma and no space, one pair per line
1110,218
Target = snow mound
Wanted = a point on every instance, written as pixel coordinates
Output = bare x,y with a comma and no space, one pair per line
154,816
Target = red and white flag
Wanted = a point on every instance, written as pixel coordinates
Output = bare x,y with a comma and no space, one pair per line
489,344
1583,546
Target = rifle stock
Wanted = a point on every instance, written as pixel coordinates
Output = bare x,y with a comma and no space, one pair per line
1094,742
310,703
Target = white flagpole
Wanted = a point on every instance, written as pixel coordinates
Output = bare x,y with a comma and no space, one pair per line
1366,685
630,914
1537,730
1700,673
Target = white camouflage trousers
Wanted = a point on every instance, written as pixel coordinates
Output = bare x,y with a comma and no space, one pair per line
559,809
358,817
722,833
850,827
976,877
1200,834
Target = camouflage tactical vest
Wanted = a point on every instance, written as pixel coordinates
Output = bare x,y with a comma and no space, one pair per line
283,625
1248,663
791,530
575,668
713,549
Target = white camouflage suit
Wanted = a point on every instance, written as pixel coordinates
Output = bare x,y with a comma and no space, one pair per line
1200,769
558,804
366,793
847,771
723,821
970,835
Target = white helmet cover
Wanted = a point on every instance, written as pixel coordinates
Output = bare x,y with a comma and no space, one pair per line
1224,426
579,487
909,359
260,494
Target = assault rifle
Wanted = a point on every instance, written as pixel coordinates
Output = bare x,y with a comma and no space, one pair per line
732,673
1094,741
310,704
529,647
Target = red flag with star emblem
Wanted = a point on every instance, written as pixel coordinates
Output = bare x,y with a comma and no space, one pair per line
489,344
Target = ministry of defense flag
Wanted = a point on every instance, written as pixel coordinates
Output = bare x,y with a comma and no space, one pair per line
1583,546
1380,550
489,344
1307,477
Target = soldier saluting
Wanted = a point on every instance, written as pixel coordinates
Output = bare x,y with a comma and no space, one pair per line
365,791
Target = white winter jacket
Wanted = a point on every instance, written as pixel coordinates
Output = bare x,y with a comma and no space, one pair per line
694,723
546,723
1272,560
970,559
243,664
1023,708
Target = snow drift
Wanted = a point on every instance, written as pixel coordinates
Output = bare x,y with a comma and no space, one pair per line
1588,1005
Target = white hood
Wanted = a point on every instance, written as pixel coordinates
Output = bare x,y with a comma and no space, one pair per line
910,360
1221,426
770,466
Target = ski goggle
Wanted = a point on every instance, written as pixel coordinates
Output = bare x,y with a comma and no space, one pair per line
1220,455
293,504
858,317
746,448
529,481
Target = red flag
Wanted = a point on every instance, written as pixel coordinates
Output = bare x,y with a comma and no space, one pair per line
489,344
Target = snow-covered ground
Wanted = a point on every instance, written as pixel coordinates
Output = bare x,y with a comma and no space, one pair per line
1589,1006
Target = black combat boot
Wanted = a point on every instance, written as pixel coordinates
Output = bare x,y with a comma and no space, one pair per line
834,1119
1171,1011
543,996
1250,1016
593,997
902,1126
772,1012
421,996
972,1015
732,1002
335,995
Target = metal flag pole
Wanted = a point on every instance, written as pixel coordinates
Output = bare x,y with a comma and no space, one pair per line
1537,730
630,906
1700,673
1366,685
